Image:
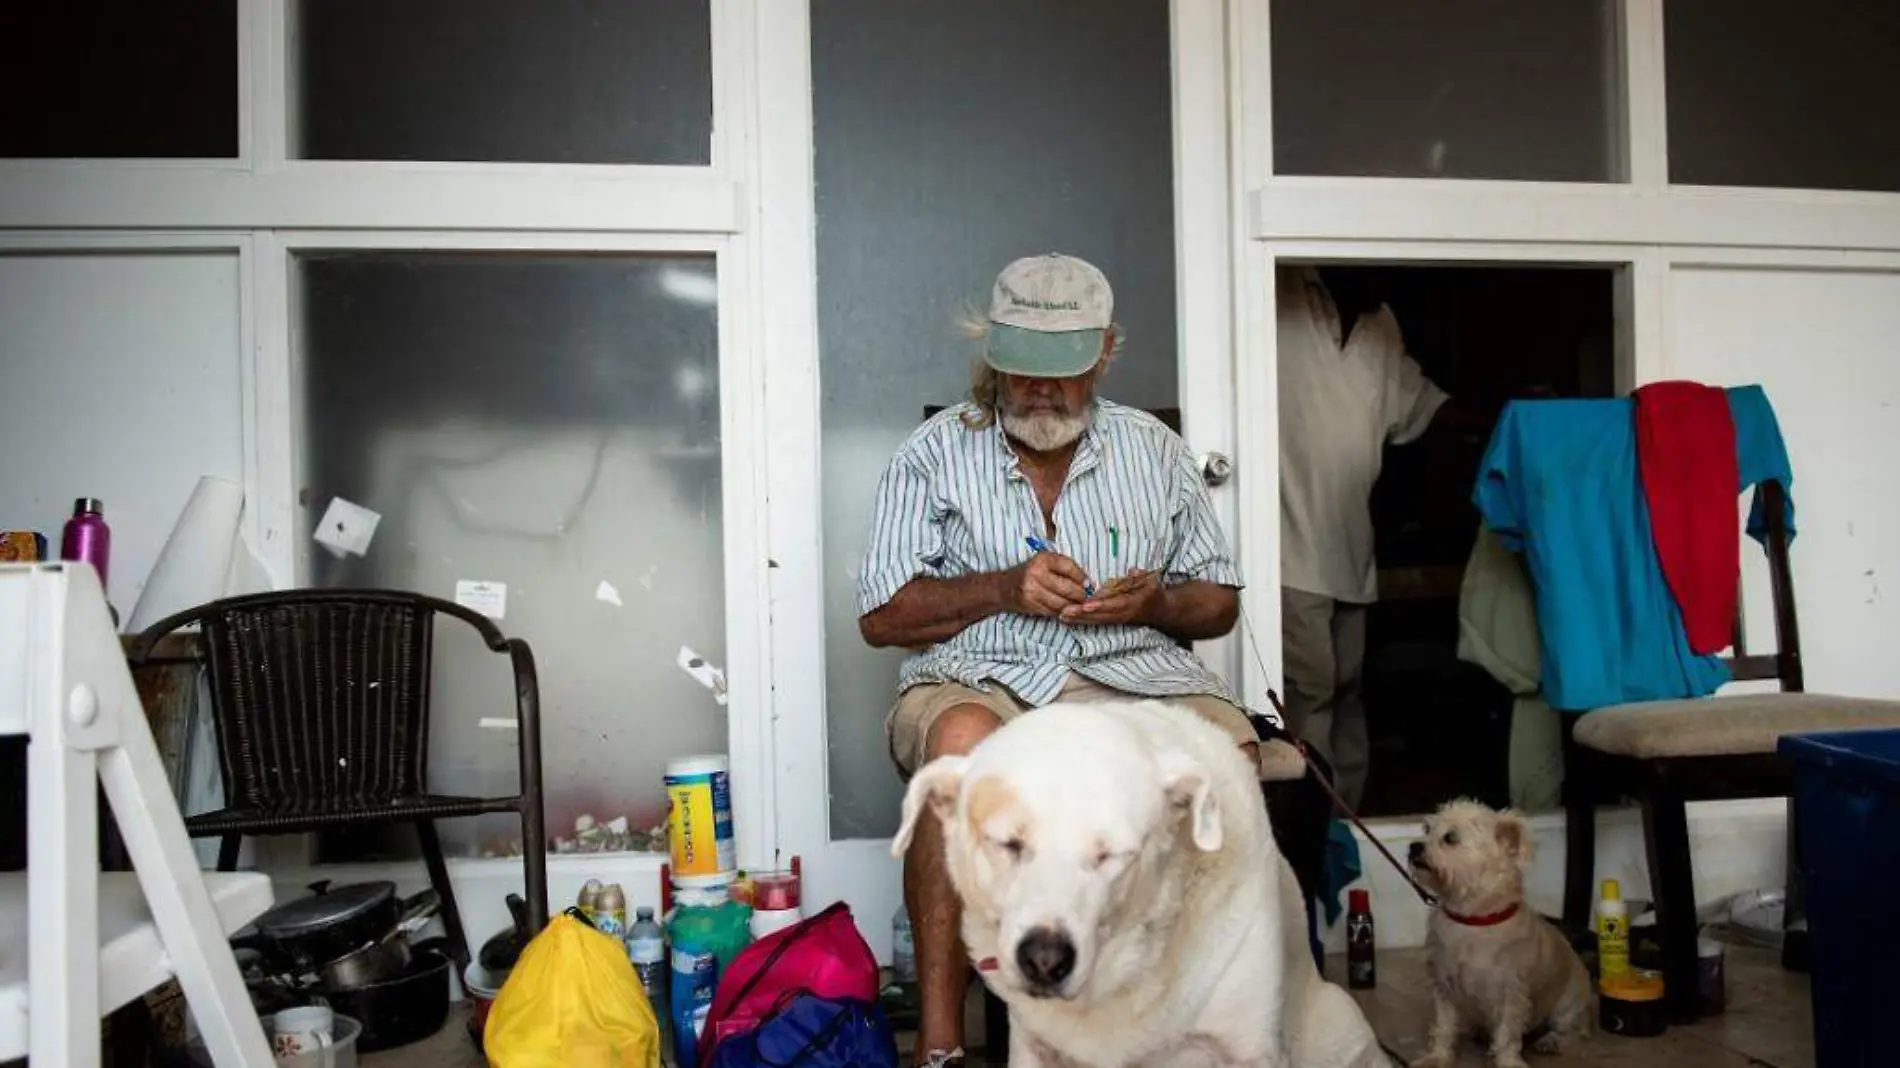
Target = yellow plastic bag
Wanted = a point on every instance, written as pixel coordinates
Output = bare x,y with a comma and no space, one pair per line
572,1001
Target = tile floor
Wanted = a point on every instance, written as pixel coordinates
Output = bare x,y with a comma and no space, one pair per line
1768,1025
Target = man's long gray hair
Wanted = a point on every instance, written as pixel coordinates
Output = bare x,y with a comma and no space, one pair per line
985,381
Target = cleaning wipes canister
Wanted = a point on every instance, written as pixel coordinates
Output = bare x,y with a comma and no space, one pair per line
699,819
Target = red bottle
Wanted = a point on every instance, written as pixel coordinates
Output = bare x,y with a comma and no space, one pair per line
1362,972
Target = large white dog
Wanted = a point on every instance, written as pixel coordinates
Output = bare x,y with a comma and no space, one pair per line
1123,894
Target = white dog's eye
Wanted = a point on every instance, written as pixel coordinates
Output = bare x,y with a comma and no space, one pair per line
1109,858
1012,846
1451,838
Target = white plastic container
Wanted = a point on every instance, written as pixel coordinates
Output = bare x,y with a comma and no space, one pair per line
340,1053
699,818
771,921
704,889
192,567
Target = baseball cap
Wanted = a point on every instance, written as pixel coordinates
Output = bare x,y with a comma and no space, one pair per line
1048,315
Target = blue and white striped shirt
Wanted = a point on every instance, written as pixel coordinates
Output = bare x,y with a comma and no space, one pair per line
953,502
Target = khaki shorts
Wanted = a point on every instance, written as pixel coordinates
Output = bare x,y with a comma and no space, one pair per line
918,708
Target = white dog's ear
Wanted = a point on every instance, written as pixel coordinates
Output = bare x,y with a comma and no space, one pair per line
1191,789
935,785
1515,836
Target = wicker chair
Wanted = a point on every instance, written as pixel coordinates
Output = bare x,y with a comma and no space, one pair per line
320,700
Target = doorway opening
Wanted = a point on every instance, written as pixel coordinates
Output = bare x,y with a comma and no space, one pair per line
1438,726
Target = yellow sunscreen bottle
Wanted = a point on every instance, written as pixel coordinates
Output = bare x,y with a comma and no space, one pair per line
1613,932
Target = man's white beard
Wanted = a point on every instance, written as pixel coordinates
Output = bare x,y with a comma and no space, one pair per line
1045,431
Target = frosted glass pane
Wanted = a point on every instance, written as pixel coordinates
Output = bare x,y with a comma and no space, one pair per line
1447,89
119,78
552,424
937,163
1771,94
547,81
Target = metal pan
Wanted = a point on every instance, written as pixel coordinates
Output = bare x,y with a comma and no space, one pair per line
376,961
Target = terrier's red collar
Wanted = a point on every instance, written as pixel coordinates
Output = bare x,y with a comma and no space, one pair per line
1489,919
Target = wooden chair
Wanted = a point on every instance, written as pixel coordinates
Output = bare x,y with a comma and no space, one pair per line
320,699
1666,754
1299,817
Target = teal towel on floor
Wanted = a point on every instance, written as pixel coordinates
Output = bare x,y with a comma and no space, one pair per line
1340,869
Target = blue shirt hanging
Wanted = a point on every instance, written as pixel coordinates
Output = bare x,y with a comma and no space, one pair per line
1559,483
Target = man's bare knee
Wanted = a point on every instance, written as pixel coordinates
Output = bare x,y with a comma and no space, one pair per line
958,729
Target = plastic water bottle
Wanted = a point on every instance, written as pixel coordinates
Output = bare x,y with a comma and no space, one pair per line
646,948
903,950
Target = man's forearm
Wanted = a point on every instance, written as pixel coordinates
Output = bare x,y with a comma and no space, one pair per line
1194,611
930,610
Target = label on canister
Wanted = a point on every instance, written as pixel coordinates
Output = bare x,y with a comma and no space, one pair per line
699,822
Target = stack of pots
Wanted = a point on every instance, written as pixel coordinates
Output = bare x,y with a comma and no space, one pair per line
349,947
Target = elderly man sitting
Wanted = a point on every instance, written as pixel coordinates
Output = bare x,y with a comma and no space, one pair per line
1036,544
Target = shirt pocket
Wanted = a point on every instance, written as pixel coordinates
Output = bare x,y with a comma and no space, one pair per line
1125,549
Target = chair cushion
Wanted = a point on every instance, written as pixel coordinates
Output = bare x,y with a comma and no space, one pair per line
1741,725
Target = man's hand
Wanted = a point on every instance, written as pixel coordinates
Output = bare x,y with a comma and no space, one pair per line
1130,599
1047,584
926,610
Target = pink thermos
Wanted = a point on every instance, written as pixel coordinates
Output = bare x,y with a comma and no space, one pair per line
87,537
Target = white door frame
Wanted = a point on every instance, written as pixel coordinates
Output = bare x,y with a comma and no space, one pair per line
862,871
266,205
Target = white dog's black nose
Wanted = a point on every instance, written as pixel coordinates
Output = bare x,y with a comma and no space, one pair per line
1046,957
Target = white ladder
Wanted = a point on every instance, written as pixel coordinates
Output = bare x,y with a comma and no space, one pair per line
64,683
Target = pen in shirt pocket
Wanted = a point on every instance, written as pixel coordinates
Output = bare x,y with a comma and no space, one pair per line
1040,546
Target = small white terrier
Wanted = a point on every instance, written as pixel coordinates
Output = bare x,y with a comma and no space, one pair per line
1497,967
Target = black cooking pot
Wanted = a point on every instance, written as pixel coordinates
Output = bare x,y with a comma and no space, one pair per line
498,954
310,932
407,1008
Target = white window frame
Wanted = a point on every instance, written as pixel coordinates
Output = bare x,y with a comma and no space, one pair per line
265,188
752,206
268,207
1652,225
742,441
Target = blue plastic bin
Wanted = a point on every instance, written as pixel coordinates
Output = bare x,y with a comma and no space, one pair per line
1847,804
